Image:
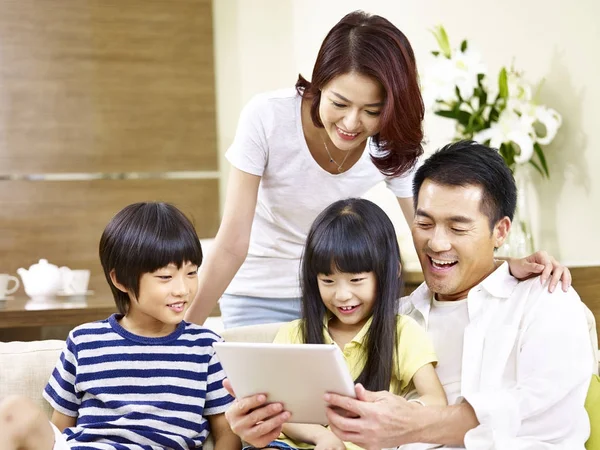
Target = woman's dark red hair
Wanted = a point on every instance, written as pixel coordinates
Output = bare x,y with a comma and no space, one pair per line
372,46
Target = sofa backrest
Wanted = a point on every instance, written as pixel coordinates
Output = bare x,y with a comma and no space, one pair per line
25,367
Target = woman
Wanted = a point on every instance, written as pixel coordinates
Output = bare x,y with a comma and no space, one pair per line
358,122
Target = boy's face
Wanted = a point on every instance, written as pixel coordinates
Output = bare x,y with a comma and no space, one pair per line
164,297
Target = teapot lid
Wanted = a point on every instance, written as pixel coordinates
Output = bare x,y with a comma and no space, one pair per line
42,265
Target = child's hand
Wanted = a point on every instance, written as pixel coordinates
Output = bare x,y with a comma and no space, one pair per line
329,441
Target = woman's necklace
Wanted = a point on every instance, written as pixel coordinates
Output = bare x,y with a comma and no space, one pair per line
339,166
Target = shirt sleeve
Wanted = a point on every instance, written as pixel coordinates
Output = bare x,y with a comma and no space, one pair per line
249,150
289,333
402,185
217,398
546,403
415,349
61,391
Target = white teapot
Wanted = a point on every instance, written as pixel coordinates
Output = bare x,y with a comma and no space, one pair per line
41,280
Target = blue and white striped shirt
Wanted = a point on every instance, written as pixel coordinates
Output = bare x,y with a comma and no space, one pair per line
132,392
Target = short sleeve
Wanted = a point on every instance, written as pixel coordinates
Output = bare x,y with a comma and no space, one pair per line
415,349
289,333
61,391
249,150
217,398
402,185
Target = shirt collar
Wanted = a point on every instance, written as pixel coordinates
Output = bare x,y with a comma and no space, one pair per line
500,283
360,336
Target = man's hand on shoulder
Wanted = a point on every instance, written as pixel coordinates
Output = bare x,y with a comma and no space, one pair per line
373,420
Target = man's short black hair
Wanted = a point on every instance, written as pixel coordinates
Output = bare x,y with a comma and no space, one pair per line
468,163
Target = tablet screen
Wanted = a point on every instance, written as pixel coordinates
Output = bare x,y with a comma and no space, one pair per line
296,375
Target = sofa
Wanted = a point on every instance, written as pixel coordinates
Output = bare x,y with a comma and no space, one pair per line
25,367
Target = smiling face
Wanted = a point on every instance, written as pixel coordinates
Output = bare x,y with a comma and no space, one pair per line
453,239
350,108
164,296
349,296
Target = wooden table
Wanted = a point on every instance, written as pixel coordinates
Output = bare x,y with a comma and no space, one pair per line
22,312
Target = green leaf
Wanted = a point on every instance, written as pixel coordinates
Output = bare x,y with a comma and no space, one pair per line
448,114
540,153
457,92
503,84
442,39
463,46
435,53
538,168
463,117
494,114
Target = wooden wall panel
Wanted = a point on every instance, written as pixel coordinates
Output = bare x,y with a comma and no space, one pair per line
63,221
94,85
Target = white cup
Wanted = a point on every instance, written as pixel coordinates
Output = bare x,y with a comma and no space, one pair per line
4,280
75,282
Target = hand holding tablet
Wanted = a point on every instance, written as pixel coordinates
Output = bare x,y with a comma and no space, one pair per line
296,375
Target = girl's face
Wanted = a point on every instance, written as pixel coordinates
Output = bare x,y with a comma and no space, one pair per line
350,108
164,297
349,296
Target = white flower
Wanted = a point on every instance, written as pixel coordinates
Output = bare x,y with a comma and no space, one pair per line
438,83
511,127
551,120
444,75
518,89
467,65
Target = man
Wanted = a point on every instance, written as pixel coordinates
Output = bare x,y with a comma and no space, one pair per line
515,360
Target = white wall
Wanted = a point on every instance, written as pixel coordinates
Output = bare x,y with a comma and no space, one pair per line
263,44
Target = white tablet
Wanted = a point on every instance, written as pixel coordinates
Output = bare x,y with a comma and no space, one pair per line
296,375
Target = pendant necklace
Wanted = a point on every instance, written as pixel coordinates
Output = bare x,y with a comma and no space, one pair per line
339,166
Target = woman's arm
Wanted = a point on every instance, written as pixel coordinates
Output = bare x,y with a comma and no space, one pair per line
230,247
408,209
429,387
62,421
224,438
542,264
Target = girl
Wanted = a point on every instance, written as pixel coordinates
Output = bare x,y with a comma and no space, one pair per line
350,290
356,123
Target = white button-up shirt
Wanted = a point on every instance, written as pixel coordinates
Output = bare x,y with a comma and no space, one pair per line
526,365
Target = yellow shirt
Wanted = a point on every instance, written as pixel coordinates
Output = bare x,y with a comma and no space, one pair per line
414,350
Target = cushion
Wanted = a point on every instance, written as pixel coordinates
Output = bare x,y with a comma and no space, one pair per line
592,406
25,368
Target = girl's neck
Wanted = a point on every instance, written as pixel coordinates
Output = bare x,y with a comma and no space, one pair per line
342,334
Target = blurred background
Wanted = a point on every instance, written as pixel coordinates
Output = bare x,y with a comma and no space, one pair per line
105,102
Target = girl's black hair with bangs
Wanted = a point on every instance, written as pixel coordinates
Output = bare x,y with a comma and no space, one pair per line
142,238
355,236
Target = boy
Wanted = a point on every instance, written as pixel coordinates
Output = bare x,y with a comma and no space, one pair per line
143,378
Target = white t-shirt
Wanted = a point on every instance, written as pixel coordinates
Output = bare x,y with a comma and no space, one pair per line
294,189
446,327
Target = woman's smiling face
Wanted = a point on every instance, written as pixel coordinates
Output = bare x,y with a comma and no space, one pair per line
350,109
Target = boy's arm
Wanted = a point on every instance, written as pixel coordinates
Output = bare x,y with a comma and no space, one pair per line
62,421
313,434
224,438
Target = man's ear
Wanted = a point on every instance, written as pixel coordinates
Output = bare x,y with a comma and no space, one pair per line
119,286
501,230
399,270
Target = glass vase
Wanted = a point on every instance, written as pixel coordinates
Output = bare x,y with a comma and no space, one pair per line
519,242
